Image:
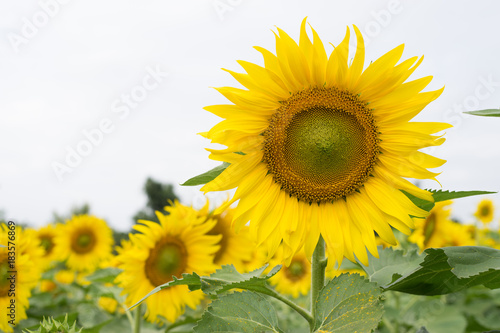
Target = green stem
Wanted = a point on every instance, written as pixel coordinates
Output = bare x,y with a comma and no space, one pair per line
317,275
301,311
398,309
137,324
128,314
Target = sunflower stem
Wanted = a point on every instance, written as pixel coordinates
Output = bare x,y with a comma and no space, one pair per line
303,312
137,323
318,275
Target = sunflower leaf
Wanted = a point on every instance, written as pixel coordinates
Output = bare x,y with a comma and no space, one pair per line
239,312
106,275
206,176
451,269
485,113
440,195
391,265
348,303
191,280
228,277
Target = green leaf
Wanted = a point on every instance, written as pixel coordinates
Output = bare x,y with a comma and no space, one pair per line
422,330
222,280
440,195
449,319
191,280
92,317
228,277
451,269
391,265
348,303
106,275
239,312
485,113
207,176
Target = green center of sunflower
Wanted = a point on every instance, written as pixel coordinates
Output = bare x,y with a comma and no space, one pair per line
47,243
83,241
219,229
485,211
296,270
4,269
321,144
167,258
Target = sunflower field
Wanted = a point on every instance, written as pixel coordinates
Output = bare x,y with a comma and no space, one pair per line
325,230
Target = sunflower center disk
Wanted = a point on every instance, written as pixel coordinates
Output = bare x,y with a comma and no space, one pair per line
47,244
167,258
321,145
295,271
83,242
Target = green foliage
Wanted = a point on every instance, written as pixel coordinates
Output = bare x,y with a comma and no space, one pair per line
436,271
239,312
106,275
206,176
52,325
223,280
440,195
348,303
485,113
159,195
391,265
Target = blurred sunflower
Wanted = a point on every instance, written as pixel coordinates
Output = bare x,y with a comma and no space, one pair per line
235,246
27,274
484,211
437,230
317,145
47,236
84,241
178,244
295,279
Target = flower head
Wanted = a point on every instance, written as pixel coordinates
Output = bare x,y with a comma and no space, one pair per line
84,241
178,244
319,144
485,211
26,276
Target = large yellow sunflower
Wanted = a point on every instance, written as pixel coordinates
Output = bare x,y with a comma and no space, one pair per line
19,274
322,145
485,211
84,241
178,244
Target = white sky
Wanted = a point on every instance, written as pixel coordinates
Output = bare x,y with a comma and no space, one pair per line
71,70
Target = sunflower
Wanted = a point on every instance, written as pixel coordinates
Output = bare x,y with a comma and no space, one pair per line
84,241
235,246
485,211
294,279
437,230
24,270
178,244
47,236
319,146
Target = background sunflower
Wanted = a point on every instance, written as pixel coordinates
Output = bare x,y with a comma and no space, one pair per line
84,241
178,244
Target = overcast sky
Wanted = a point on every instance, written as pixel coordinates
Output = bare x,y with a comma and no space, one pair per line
140,72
